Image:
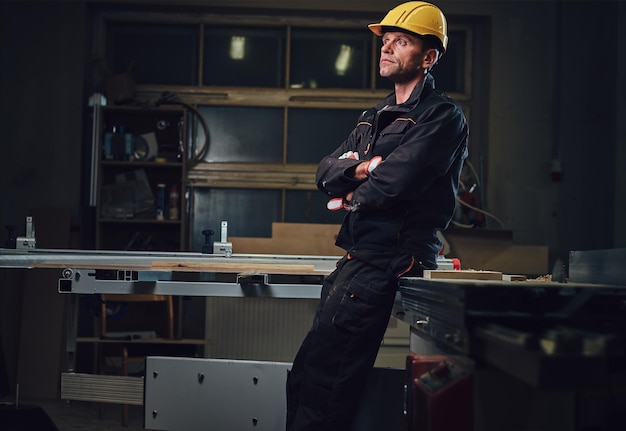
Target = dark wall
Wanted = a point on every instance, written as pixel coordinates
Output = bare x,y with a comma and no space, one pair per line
41,108
587,127
44,50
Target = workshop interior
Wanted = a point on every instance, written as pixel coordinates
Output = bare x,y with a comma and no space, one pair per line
164,242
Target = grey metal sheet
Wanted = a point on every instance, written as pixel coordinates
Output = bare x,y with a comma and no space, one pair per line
598,266
83,281
83,272
214,394
232,395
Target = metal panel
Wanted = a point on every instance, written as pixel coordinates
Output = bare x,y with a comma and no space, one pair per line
213,394
222,395
598,266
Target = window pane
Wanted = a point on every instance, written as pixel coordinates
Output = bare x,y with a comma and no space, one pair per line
449,73
244,56
249,213
243,134
330,58
314,133
310,207
154,53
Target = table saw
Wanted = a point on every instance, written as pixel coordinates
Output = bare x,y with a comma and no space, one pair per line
552,336
177,273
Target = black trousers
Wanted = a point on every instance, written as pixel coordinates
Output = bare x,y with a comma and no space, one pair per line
331,367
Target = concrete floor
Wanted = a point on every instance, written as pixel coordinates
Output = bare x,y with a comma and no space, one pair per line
74,416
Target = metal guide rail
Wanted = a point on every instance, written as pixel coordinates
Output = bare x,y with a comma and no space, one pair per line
177,273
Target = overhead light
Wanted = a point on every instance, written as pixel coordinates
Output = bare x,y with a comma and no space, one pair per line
237,47
343,59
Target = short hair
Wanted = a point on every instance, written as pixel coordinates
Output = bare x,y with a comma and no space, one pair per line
428,40
431,42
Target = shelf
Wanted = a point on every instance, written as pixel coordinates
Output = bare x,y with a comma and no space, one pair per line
139,221
141,164
182,341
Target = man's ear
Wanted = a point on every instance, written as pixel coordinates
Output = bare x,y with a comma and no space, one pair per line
430,58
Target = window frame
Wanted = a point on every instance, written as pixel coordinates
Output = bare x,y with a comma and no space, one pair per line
284,176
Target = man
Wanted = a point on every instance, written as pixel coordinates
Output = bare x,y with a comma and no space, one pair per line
397,176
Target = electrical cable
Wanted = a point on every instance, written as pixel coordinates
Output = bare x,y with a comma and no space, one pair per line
465,204
169,97
471,167
465,226
488,214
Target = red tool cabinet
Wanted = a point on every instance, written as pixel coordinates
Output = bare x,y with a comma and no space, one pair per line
440,393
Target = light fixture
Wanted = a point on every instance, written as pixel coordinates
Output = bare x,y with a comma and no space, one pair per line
237,47
343,59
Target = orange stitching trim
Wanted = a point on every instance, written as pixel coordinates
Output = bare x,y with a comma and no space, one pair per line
408,269
405,119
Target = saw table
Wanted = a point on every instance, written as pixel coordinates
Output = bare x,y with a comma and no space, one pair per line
160,273
177,273
550,354
563,337
542,333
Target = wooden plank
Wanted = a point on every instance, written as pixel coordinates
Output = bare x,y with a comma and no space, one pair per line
90,265
250,268
520,259
305,230
320,246
494,250
461,274
311,239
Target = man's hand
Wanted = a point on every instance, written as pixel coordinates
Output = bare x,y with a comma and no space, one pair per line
337,203
363,170
349,155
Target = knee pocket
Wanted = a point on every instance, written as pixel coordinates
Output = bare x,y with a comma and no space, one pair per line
315,397
364,305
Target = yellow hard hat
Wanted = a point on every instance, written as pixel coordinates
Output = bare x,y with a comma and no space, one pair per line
417,17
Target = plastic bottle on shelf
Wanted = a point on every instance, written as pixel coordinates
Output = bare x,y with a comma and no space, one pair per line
173,201
160,203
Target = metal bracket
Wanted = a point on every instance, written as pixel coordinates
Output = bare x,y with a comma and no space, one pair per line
27,242
253,279
223,247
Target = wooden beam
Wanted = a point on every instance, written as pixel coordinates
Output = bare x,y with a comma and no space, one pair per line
462,274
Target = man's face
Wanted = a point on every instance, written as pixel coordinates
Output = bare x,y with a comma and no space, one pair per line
401,57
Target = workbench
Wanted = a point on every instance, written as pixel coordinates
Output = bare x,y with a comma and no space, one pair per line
177,273
559,337
537,331
546,355
84,272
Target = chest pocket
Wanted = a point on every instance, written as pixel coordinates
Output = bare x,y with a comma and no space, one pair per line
390,136
363,133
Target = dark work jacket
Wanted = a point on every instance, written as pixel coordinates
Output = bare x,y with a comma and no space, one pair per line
411,195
